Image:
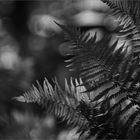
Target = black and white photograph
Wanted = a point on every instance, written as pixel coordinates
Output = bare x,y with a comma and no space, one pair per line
69,69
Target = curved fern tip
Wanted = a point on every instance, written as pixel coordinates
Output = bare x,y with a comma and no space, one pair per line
19,98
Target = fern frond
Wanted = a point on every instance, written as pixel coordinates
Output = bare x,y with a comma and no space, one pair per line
110,74
62,103
128,7
127,13
95,62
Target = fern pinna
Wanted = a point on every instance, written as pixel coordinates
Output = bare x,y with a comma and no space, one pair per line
105,102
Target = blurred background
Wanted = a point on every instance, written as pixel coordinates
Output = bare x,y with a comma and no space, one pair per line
32,47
